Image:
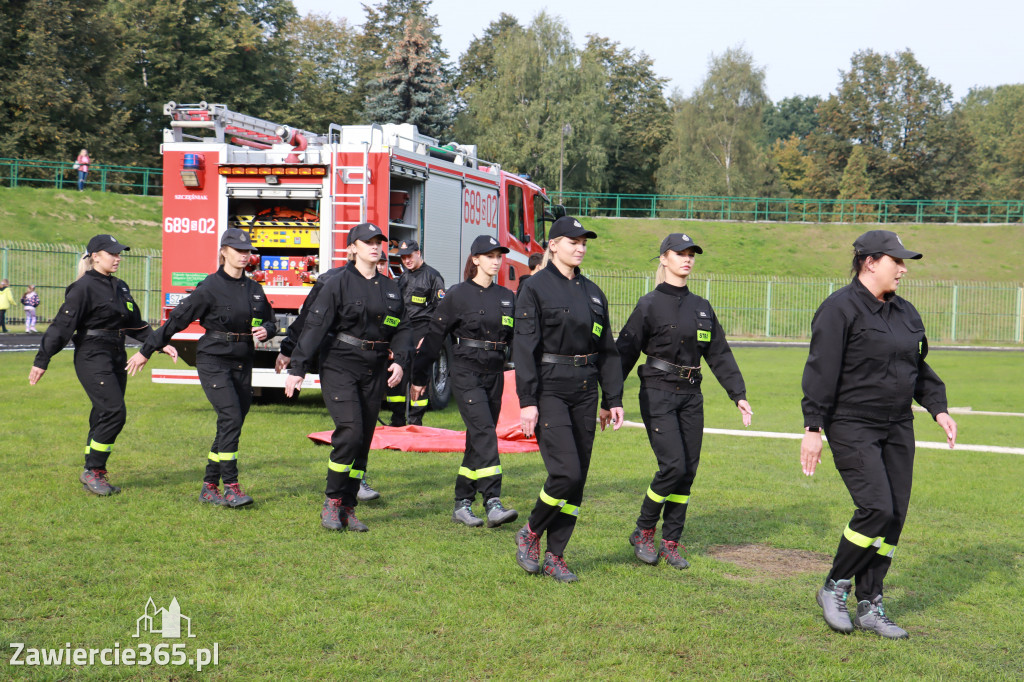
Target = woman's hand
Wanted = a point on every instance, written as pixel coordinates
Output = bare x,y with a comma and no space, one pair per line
172,352
292,385
396,374
528,417
745,411
810,451
416,392
136,362
614,416
949,426
34,375
259,333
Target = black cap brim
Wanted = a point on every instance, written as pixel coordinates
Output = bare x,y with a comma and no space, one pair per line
904,254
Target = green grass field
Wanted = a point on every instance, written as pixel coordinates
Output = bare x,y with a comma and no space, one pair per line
421,598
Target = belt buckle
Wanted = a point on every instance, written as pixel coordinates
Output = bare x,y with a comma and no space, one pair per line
490,345
576,360
366,345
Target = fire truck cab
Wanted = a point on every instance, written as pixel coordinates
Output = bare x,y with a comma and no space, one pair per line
299,193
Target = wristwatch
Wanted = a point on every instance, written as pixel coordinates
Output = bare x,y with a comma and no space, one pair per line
813,429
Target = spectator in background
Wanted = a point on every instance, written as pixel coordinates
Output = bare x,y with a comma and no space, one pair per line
536,260
82,166
6,301
31,301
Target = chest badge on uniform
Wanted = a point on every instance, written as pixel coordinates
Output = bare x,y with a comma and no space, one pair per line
507,304
257,297
595,299
392,295
703,335
702,313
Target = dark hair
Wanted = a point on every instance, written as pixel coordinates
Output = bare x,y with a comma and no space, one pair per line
858,261
535,260
471,269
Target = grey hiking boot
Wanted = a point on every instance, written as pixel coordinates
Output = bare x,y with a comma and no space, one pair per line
871,616
330,515
234,497
556,568
348,517
832,600
670,552
528,550
95,481
642,540
211,493
497,514
464,514
366,493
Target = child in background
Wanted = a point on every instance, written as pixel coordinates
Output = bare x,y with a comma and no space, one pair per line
31,301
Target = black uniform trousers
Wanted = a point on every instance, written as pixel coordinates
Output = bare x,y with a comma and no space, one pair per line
352,394
479,398
228,386
565,433
675,428
99,364
403,408
876,462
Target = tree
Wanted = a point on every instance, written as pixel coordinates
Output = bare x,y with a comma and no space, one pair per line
477,62
791,116
411,89
639,114
793,166
995,117
541,83
714,147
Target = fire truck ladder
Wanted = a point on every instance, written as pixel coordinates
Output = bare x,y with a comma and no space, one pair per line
223,121
352,177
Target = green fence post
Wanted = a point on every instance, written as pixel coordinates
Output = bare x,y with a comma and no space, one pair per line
3,274
952,320
1020,314
145,182
956,211
654,206
14,173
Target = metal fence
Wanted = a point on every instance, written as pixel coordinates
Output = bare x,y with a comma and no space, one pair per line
51,267
770,307
790,210
60,174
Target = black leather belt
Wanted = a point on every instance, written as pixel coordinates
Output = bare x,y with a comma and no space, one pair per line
574,360
362,344
232,337
109,333
681,371
486,345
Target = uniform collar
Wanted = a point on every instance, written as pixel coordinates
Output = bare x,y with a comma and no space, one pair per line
558,273
93,273
474,283
220,271
868,298
672,290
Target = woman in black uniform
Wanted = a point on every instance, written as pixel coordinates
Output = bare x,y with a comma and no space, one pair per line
478,314
362,310
235,312
865,366
675,328
97,312
563,348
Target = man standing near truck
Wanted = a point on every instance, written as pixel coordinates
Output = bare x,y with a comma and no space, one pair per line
422,289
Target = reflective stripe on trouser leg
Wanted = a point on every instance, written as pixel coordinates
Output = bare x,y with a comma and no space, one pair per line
859,539
340,468
214,457
396,398
229,467
212,474
100,447
419,403
227,456
566,508
480,473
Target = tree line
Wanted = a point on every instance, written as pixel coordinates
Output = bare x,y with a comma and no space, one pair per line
96,73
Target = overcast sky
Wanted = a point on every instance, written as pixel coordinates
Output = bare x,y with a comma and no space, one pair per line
802,44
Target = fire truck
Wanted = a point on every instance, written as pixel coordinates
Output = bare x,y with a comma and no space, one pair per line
298,193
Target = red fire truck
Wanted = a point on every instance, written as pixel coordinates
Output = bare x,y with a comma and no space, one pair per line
298,194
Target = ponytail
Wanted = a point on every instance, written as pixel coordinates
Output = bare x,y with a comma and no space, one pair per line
84,265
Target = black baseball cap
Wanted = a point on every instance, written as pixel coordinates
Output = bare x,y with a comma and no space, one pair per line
237,238
567,226
364,232
883,241
678,241
408,246
105,242
485,244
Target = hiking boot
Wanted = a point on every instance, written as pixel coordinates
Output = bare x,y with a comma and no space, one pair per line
528,550
871,616
330,515
348,517
832,600
95,481
497,514
365,492
642,540
211,493
556,568
670,552
464,514
234,497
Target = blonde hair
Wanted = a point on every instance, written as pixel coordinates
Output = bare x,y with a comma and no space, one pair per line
659,275
548,253
85,264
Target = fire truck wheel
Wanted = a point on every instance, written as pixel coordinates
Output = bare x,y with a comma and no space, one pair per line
440,382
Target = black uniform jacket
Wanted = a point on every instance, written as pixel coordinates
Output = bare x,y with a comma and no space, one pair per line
563,316
422,290
221,303
367,309
675,325
93,301
469,311
299,323
867,360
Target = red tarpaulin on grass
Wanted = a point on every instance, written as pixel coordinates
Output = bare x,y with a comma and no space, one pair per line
429,439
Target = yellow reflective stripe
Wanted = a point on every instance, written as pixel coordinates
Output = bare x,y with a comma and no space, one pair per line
100,447
566,508
886,549
356,473
396,398
228,456
214,457
419,403
418,299
570,509
87,448
678,499
340,468
660,499
480,473
858,539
